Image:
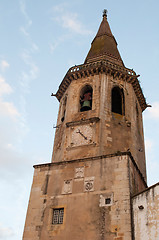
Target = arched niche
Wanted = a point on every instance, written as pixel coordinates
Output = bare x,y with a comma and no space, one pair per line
117,101
86,95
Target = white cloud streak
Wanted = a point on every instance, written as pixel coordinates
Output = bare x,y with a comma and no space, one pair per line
4,65
57,42
11,127
23,11
27,53
27,56
5,88
28,22
69,20
6,108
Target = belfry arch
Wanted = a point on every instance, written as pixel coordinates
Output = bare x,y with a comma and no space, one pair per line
117,101
86,98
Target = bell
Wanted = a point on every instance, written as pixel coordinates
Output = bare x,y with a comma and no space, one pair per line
86,106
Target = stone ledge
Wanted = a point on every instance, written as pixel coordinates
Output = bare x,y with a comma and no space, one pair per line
147,189
118,153
82,121
102,66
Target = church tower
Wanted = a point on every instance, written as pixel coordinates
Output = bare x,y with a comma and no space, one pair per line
98,160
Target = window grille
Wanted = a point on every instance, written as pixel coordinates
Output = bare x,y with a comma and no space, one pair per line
58,214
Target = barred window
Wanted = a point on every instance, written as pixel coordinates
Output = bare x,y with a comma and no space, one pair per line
58,216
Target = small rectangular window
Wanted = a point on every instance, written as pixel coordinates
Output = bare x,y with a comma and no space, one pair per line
107,201
58,214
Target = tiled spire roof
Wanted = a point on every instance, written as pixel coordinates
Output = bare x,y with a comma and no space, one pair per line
104,45
104,58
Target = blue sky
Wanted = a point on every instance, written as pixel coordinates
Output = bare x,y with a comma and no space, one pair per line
40,41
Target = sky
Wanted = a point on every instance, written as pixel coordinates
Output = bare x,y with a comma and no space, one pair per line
40,40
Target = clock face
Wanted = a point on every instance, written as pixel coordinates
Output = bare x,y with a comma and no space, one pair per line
82,135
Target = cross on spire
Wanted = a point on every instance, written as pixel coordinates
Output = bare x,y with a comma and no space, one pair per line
105,13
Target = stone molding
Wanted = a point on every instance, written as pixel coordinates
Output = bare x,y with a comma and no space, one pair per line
105,67
128,153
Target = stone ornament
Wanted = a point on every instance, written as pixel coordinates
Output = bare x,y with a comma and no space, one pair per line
89,184
67,187
79,172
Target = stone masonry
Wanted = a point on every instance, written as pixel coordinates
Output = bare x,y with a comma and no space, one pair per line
95,186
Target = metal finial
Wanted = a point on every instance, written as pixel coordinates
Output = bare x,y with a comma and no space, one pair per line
105,13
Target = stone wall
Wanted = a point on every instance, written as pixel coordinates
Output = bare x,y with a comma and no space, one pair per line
146,214
95,195
113,132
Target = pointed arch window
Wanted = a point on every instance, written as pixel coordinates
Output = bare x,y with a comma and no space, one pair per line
118,101
86,98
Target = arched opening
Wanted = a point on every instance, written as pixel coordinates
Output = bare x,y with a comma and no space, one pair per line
63,109
86,98
137,112
117,100
137,118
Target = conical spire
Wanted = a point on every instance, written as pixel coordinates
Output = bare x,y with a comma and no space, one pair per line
104,45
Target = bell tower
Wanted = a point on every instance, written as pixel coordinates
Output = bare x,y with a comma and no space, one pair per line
98,159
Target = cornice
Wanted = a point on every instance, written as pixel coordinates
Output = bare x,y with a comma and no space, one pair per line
118,153
103,67
82,122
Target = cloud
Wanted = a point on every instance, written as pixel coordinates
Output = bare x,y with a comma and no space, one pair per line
3,65
57,42
28,22
23,30
69,20
5,232
33,69
5,88
23,11
6,108
29,75
60,7
26,55
12,131
153,112
53,46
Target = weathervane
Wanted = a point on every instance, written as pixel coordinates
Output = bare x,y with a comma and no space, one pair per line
105,13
